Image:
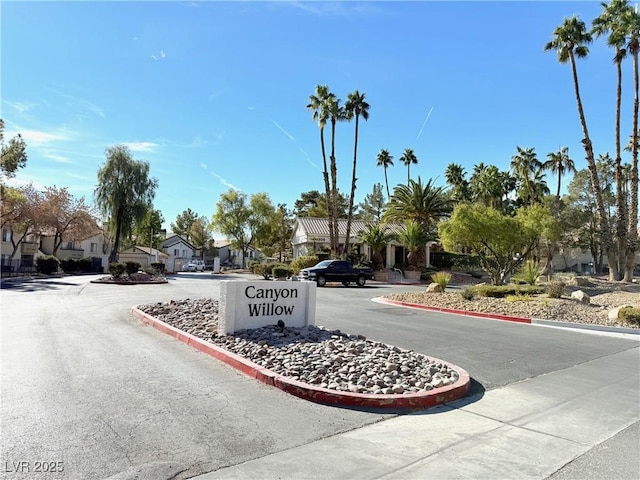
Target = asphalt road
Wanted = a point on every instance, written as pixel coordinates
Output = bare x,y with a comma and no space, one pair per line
87,388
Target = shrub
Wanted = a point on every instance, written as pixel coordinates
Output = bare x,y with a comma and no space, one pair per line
465,262
281,271
131,267
158,267
47,265
426,274
630,315
467,293
529,272
253,264
263,269
442,279
68,265
501,291
305,261
555,289
116,269
85,265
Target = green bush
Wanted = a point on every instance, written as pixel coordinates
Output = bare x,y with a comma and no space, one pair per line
131,267
84,265
442,279
501,291
305,261
555,289
159,268
253,264
281,271
529,273
467,293
630,315
465,263
264,269
47,265
426,274
68,265
116,269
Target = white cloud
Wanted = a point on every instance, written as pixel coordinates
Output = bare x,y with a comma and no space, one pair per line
21,106
37,137
141,146
225,182
162,54
79,177
203,165
56,157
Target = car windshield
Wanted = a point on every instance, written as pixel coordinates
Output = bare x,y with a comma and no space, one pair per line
324,263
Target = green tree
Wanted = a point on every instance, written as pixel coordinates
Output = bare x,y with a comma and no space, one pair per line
319,106
200,234
124,193
502,242
408,158
355,107
14,154
371,209
424,203
524,165
148,231
314,204
26,214
245,221
184,222
455,177
414,236
560,163
281,229
377,236
570,41
385,160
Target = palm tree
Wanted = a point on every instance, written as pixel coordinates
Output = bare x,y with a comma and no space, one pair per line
487,185
357,107
611,22
318,105
377,236
385,160
524,164
559,162
423,203
455,176
407,158
631,23
570,40
414,236
336,114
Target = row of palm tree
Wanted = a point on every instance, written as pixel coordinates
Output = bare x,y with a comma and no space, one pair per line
621,22
325,106
385,160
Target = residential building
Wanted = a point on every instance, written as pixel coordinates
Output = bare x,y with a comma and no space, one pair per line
230,256
179,252
145,256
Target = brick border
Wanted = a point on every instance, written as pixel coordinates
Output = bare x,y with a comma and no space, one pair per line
306,391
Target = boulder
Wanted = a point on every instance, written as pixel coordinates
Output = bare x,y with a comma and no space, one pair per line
435,287
581,297
614,313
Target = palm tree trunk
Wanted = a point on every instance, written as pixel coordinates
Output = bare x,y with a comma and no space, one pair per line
603,224
325,175
334,191
353,188
632,230
621,218
386,181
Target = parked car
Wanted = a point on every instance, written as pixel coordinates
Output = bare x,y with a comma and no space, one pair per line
337,271
194,266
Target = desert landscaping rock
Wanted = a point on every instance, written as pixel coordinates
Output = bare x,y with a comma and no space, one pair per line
325,358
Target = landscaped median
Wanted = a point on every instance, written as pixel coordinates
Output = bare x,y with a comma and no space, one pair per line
323,366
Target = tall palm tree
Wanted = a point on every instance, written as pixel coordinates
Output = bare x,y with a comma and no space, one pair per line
384,160
631,23
336,114
357,107
570,40
455,176
611,22
408,158
487,185
318,106
559,162
523,165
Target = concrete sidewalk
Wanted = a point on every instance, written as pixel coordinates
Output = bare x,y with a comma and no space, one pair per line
530,429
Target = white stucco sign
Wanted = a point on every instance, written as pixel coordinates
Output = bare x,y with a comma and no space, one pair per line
255,304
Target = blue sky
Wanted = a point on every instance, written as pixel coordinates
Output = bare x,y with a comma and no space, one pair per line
213,94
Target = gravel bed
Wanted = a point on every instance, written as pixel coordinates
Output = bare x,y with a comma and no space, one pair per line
324,358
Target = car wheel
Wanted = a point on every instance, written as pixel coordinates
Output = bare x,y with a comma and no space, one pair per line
321,281
346,284
361,281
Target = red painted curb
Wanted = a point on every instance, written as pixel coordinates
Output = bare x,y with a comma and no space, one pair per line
306,391
494,316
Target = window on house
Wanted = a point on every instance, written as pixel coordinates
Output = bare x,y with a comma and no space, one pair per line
184,253
69,245
176,252
94,247
6,235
